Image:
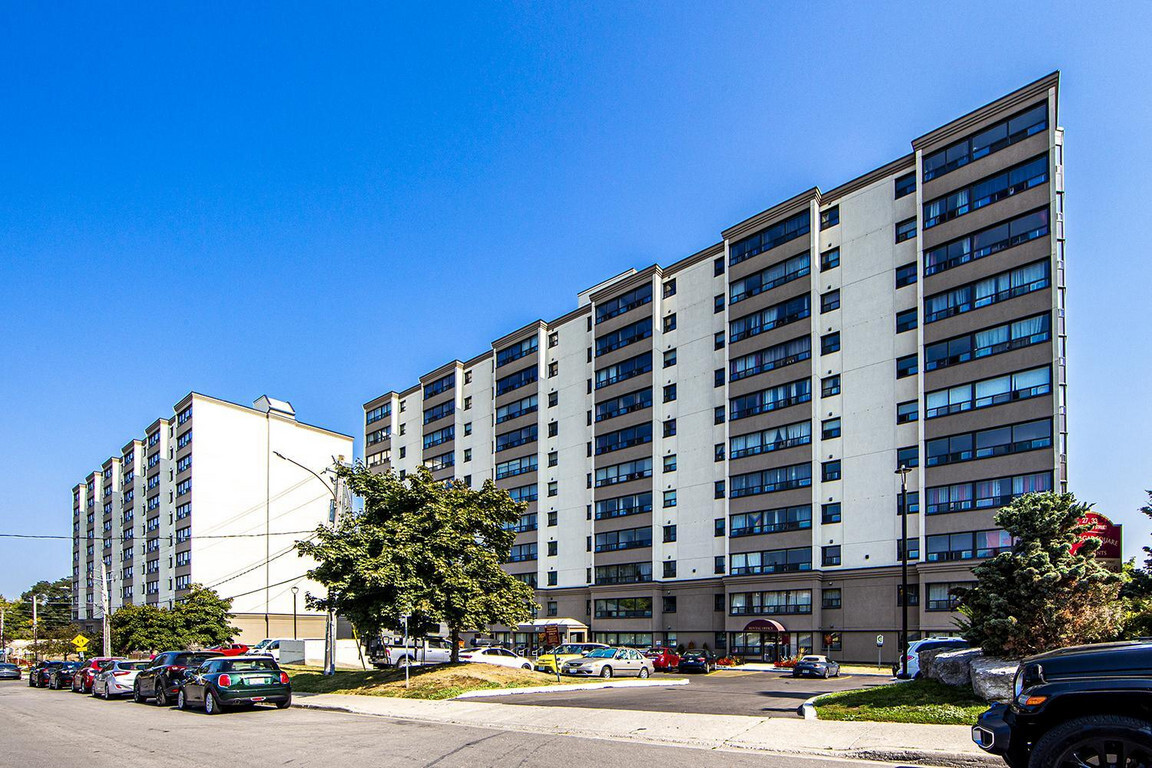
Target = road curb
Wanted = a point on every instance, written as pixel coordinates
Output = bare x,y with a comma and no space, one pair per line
571,687
807,710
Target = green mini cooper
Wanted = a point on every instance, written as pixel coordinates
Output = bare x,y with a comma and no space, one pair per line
235,681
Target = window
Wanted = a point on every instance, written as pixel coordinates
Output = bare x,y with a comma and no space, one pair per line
552,577
553,428
987,191
717,304
625,302
775,316
552,548
670,322
624,370
553,458
718,452
515,438
983,293
829,259
783,602
771,561
908,457
514,381
669,358
669,393
985,494
467,428
440,436
553,399
906,320
623,438
913,549
517,351
906,275
467,454
830,513
670,288
670,463
912,500
523,493
718,377
769,238
624,573
442,384
623,608
830,470
967,546
772,521
771,480
830,556
830,428
913,594
622,506
829,301
527,522
992,139
906,230
997,441
988,392
443,461
622,337
830,385
669,604
830,342
718,565
907,412
718,489
670,498
830,599
771,399
467,407
987,342
669,427
378,413
905,185
944,596
669,533
906,366
768,278
553,369
985,242
718,527
718,267
621,473
768,359
522,552
718,415
830,217
718,340
553,488
669,569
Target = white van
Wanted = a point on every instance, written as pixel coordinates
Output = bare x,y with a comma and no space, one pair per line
269,646
930,644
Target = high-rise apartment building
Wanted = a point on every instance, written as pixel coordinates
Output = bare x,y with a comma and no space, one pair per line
160,522
708,450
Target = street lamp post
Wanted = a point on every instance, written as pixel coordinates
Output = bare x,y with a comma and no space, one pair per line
295,589
36,599
903,472
330,614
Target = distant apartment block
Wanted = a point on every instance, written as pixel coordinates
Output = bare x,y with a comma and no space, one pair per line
707,450
201,497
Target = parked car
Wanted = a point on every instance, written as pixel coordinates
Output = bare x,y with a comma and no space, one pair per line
161,679
232,649
117,678
499,656
38,675
9,672
234,681
561,654
928,644
1089,705
697,661
816,666
61,676
82,680
609,662
663,659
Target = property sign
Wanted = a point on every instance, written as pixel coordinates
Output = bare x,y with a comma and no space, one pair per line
1110,536
80,642
551,635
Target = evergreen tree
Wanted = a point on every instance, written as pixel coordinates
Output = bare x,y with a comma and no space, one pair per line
422,548
1041,595
1137,590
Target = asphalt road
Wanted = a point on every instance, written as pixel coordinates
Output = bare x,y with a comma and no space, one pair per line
766,694
51,729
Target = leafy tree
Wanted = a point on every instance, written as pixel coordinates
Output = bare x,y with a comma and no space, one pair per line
54,611
422,548
142,628
1041,595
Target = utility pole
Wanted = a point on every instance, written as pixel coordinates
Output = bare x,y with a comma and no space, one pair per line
35,629
903,472
330,619
104,608
3,645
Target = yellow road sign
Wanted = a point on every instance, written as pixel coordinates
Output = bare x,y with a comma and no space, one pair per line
80,642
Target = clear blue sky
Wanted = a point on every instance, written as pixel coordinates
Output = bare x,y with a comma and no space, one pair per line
323,203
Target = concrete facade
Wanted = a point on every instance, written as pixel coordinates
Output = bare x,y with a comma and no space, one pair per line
714,443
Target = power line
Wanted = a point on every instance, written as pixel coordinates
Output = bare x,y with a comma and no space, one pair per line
144,538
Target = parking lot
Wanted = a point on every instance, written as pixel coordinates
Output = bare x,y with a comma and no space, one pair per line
720,693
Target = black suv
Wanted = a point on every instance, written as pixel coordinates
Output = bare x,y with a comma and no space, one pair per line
162,679
1090,705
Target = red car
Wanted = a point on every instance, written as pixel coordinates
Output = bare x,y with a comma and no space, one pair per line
230,649
82,680
664,659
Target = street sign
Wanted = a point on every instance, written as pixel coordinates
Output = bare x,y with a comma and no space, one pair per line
80,642
551,635
879,641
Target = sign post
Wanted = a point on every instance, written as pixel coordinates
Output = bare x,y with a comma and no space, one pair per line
80,643
879,649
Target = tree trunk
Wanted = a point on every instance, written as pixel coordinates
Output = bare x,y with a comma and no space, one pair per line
454,633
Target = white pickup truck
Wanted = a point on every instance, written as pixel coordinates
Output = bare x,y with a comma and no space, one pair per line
390,651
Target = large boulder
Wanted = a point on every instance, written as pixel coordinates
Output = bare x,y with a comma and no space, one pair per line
954,667
992,678
928,661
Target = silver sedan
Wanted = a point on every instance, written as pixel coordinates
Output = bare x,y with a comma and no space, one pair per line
609,662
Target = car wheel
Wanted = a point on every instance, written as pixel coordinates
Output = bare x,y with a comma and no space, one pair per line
161,695
1094,741
526,666
643,673
403,662
181,702
284,704
825,675
107,693
136,695
211,705
606,672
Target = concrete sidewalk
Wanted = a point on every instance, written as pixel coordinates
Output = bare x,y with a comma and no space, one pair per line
943,745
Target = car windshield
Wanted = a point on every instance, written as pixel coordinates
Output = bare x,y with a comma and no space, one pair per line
248,665
602,653
694,655
8,666
812,658
568,650
131,665
71,665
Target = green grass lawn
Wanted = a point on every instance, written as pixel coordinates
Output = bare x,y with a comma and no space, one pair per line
917,701
442,681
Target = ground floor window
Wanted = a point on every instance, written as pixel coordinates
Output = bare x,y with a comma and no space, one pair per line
770,646
833,641
633,639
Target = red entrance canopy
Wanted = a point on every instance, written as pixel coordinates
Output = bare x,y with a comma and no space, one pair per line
764,625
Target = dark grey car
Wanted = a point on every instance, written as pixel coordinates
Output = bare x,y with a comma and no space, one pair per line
9,672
